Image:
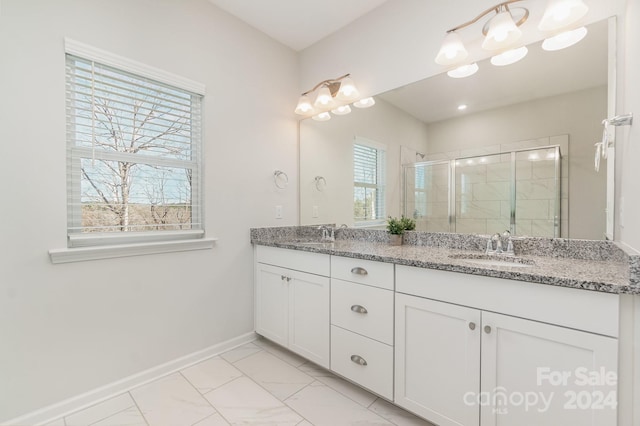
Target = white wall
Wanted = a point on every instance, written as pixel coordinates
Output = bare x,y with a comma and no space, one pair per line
577,114
68,328
326,149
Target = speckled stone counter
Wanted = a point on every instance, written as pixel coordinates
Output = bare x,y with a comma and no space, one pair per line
581,264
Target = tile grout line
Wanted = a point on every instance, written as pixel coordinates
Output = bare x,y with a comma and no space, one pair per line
217,387
293,409
215,410
111,415
284,404
250,379
373,402
64,418
333,375
138,407
260,349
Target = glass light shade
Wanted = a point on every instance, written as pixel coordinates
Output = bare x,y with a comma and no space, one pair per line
323,116
562,13
565,39
304,106
348,91
502,33
510,56
364,103
452,50
342,110
463,71
324,100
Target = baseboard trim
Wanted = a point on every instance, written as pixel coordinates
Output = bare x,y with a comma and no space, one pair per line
79,402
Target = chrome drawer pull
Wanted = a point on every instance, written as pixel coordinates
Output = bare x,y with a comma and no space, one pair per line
359,271
359,309
358,360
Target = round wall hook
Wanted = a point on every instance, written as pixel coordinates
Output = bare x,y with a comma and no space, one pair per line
280,179
320,183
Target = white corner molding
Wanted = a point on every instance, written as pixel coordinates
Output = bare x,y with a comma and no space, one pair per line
91,53
81,254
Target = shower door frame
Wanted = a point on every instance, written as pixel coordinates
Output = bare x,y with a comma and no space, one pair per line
512,183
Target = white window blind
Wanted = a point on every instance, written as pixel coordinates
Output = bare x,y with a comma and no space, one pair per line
369,184
133,157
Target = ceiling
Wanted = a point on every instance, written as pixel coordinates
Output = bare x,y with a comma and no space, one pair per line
298,23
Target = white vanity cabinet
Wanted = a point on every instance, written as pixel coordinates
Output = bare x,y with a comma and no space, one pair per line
292,301
362,322
548,358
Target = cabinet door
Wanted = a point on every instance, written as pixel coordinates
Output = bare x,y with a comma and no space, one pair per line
272,303
539,374
437,360
309,317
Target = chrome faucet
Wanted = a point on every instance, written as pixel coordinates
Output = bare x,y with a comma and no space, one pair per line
328,234
498,239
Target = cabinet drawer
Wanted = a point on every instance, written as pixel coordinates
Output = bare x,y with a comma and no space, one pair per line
377,274
347,349
313,263
363,309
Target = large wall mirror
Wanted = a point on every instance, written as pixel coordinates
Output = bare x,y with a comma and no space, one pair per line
519,157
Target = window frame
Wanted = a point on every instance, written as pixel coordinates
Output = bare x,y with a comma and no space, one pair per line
89,246
379,186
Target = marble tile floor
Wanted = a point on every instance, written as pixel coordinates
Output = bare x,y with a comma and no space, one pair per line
259,383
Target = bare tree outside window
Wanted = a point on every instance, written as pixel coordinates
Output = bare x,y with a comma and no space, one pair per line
132,149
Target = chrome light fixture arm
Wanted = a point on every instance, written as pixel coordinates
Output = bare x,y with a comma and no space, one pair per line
333,84
504,6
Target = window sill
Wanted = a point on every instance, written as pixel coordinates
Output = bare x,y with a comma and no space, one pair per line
81,254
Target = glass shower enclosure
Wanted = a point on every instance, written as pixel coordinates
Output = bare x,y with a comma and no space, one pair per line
517,190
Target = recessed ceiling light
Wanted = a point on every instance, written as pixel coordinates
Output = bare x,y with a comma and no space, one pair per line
462,107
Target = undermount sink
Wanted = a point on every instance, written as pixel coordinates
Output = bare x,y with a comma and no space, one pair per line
495,260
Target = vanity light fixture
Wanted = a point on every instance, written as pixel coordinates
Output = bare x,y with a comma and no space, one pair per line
323,116
510,56
365,103
565,39
342,110
502,33
463,71
331,95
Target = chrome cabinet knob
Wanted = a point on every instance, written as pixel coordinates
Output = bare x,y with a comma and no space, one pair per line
487,329
472,325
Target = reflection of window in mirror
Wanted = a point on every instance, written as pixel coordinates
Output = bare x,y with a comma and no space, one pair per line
369,181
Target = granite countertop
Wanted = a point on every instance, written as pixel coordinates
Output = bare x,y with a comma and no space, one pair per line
606,272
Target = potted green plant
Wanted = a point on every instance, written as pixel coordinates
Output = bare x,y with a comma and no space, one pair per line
396,228
408,223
